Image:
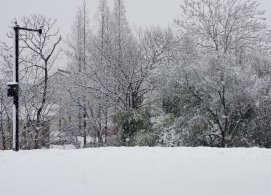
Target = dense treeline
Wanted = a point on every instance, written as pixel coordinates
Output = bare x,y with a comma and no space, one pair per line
206,82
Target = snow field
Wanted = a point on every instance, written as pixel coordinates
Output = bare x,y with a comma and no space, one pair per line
136,171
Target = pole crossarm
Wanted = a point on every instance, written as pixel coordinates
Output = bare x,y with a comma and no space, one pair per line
17,28
28,29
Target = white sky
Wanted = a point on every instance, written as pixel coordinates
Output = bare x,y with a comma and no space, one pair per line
138,12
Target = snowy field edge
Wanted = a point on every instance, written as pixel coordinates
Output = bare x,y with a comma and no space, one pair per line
137,171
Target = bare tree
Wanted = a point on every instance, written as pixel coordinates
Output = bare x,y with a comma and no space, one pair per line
228,26
38,54
78,42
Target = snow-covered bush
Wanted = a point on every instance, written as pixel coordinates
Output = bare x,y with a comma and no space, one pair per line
130,124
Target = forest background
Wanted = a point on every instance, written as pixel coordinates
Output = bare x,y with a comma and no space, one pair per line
202,81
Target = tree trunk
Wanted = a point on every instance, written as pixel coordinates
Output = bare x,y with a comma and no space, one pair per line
44,94
3,135
85,129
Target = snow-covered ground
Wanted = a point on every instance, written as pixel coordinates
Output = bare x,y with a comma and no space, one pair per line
136,171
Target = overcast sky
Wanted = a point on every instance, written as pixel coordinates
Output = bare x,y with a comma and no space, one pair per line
139,12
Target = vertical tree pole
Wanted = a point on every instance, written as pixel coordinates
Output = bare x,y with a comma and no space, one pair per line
16,29
16,96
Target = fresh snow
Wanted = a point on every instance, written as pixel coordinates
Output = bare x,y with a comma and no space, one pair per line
136,171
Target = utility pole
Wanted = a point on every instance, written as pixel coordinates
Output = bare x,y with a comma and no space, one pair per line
13,87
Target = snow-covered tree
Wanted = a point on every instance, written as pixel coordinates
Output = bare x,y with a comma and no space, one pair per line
215,82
